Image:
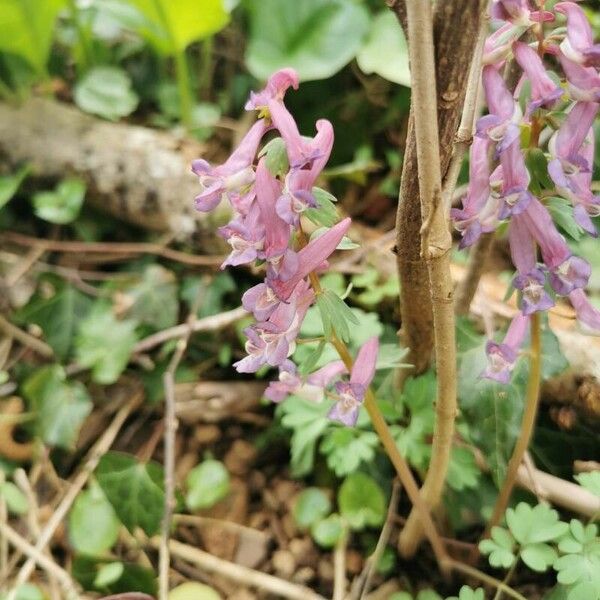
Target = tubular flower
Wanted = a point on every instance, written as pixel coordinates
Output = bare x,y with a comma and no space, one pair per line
500,125
276,87
351,393
503,357
579,45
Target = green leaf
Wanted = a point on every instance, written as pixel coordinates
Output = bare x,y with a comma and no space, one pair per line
315,37
61,406
58,316
467,593
538,557
172,26
93,524
16,501
335,315
590,481
109,573
499,548
463,471
27,591
191,590
562,213
326,532
26,28
534,525
346,449
312,505
106,92
385,51
135,490
207,483
9,184
428,595
361,501
325,215
61,206
105,344
154,298
276,158
537,165
308,421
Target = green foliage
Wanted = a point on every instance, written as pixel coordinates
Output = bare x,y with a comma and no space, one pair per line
346,449
426,594
104,343
93,524
467,593
108,574
562,214
374,291
311,506
26,591
325,215
154,298
172,26
207,483
590,481
16,501
9,184
385,39
579,566
192,590
463,471
276,159
58,316
335,315
61,206
499,548
315,37
361,501
26,28
327,532
106,92
134,489
60,406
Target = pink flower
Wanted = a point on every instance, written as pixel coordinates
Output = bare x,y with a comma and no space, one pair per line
234,178
503,357
352,393
276,87
501,124
579,45
586,313
544,92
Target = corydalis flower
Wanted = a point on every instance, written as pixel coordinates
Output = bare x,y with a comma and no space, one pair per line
501,124
234,178
544,92
351,393
310,388
579,45
586,313
276,87
503,357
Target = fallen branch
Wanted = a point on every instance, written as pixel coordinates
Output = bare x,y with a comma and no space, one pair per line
240,574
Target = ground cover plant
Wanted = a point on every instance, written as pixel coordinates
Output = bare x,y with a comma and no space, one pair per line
299,300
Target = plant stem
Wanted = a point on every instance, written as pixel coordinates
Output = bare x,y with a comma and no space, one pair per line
485,578
206,68
436,243
507,578
83,36
527,425
183,86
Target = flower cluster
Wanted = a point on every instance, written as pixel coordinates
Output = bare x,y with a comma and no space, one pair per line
519,123
267,203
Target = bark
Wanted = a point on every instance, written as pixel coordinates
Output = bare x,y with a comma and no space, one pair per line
456,25
138,174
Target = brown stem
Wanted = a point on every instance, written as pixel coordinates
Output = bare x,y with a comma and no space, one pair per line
456,26
527,425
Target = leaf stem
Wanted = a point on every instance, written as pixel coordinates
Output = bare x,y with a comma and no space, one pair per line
527,425
183,86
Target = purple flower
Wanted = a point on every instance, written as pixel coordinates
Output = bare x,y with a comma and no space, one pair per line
234,178
312,388
311,257
584,82
515,180
544,92
271,342
261,301
352,393
572,274
515,11
276,87
579,45
297,195
571,168
246,237
586,313
503,357
501,124
277,231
